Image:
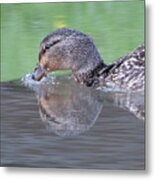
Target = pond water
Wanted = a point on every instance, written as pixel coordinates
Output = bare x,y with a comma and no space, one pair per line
116,27
59,123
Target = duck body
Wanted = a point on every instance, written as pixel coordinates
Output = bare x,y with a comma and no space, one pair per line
71,49
126,73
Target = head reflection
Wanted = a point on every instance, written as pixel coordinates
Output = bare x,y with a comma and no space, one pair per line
68,109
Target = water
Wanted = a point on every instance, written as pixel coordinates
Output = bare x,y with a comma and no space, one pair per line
116,27
59,123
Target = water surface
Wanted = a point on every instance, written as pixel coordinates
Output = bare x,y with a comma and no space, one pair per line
61,124
116,27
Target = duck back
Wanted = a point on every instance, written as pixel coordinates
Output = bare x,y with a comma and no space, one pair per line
127,72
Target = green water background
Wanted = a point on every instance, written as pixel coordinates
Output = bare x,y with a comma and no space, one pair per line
116,27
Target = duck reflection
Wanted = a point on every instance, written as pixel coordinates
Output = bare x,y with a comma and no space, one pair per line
68,109
131,102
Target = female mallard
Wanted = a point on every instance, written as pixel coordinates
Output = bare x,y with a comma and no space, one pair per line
71,49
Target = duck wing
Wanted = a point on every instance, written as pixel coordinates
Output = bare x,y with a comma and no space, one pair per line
127,72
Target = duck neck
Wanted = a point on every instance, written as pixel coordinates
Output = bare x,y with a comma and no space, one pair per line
91,76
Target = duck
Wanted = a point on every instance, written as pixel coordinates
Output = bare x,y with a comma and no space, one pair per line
74,50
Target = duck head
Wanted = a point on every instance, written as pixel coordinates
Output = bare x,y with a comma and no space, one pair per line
68,49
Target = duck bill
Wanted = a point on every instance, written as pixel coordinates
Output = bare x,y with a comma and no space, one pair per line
39,73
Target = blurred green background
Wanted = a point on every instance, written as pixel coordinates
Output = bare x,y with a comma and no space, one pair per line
116,27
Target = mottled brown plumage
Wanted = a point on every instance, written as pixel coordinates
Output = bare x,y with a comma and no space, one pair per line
127,72
71,49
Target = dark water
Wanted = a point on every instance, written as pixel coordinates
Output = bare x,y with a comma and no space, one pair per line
61,124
